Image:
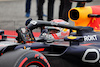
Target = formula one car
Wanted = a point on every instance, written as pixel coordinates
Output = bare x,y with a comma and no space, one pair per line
79,49
76,50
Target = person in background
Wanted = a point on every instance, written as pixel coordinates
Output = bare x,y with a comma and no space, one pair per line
50,9
65,6
61,7
28,7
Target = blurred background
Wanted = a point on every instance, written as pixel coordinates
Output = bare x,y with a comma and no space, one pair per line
12,12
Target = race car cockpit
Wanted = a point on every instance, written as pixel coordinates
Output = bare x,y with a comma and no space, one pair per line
25,35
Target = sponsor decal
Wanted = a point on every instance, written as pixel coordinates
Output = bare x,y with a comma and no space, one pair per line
71,37
33,22
54,23
90,38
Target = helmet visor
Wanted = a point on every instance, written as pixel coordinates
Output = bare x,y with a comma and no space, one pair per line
53,31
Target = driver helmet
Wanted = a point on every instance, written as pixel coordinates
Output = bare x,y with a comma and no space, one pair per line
54,33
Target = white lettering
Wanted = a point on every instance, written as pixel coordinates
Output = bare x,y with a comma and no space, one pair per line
90,38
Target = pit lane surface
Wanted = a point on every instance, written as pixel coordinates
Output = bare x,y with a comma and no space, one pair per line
12,12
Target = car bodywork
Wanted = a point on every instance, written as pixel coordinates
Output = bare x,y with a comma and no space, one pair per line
79,49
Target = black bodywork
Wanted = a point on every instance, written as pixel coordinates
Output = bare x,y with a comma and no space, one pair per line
81,48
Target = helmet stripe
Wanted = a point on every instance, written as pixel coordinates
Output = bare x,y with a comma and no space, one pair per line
55,36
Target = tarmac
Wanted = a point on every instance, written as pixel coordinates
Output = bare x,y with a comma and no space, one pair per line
12,12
